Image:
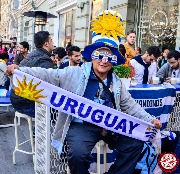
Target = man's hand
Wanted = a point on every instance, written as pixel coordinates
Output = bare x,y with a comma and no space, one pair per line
157,123
168,79
10,69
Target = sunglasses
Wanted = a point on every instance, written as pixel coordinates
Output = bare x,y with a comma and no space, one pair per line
105,56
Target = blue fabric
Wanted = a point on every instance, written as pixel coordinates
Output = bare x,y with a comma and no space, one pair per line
95,34
177,152
66,64
110,157
155,102
63,65
157,93
92,87
148,161
30,112
4,99
57,145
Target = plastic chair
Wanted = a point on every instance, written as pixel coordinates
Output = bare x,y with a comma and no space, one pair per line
98,146
19,115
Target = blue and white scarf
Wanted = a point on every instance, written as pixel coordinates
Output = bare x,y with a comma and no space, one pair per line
35,89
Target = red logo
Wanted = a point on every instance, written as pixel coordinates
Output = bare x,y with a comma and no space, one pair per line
168,162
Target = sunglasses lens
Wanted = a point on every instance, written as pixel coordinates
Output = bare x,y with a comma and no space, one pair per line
109,59
105,56
100,57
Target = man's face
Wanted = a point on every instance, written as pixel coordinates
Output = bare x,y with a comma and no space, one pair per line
21,49
75,59
12,45
149,58
102,66
165,53
174,63
131,38
50,44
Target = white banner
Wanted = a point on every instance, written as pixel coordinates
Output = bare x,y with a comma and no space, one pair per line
32,88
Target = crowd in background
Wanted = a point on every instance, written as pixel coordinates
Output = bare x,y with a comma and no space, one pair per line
146,65
152,62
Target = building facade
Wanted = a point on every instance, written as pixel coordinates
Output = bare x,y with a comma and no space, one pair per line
156,22
8,21
4,18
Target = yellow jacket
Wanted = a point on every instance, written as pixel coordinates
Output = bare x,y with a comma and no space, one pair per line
130,52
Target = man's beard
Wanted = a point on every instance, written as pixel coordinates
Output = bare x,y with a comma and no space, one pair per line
131,44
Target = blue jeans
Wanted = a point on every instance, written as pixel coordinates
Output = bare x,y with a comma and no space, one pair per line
30,112
82,138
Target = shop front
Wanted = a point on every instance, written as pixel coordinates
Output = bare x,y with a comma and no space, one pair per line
159,24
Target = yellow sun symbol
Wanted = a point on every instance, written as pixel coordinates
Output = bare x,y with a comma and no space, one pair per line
148,128
29,90
109,25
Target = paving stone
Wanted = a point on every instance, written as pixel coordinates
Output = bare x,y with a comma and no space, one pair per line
24,162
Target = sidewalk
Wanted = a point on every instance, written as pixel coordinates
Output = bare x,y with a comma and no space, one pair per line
24,163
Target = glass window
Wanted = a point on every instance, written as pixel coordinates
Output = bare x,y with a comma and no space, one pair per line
67,27
26,31
62,30
97,7
158,23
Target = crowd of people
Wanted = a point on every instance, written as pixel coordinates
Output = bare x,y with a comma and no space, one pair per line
93,67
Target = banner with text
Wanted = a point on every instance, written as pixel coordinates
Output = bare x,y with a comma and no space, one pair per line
32,88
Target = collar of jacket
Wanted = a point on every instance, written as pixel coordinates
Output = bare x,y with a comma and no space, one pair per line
45,51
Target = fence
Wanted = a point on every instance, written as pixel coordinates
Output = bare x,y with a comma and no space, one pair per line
47,160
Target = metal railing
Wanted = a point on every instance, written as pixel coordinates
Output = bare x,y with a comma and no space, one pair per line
47,160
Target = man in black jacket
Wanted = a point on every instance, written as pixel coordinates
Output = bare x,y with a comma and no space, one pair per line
37,58
23,51
74,55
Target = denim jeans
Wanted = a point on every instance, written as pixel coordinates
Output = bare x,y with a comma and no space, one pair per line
82,138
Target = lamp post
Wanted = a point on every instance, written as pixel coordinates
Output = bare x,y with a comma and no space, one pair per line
40,18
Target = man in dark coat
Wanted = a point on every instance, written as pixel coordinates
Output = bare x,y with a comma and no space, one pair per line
37,58
23,51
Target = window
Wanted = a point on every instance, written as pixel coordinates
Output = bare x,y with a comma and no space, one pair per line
26,30
158,24
67,27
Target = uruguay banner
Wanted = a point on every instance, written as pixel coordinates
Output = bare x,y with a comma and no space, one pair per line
157,100
32,88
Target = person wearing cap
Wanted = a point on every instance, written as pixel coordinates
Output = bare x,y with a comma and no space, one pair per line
92,80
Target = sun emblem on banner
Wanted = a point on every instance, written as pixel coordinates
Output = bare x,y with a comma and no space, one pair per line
150,132
28,90
109,25
148,128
